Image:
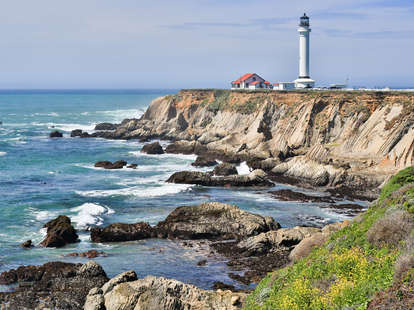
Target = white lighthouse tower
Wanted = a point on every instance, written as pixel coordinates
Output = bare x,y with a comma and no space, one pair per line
304,80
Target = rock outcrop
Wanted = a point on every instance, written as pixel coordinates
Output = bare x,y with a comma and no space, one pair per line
129,293
59,232
106,126
204,161
54,285
122,232
153,149
119,164
255,178
325,138
214,220
225,169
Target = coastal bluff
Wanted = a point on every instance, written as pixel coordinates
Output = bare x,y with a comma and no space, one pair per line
355,139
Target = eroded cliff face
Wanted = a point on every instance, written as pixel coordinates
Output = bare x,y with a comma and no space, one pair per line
331,136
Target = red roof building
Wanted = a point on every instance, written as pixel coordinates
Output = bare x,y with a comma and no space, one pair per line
250,81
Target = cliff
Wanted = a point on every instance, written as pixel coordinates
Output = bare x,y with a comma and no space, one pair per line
326,137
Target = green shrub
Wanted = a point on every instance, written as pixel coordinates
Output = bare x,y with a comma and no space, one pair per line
220,101
348,270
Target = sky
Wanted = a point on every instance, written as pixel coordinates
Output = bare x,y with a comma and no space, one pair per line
202,43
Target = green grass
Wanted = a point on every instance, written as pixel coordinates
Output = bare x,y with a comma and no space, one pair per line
347,271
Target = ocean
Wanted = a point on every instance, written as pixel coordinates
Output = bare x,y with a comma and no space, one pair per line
41,178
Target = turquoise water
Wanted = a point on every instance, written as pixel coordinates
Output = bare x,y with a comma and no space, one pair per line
41,178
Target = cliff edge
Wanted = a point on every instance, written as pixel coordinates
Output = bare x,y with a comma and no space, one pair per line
328,138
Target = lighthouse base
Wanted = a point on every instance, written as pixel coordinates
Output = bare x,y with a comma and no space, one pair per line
304,83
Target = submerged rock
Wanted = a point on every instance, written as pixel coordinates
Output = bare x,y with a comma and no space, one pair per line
54,285
289,195
255,178
160,293
153,148
89,254
56,134
59,232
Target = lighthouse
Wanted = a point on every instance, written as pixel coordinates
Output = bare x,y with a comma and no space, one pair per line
304,80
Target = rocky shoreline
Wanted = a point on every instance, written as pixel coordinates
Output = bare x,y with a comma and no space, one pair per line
253,244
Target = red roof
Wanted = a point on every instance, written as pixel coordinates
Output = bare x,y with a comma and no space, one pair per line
266,82
243,78
275,83
254,83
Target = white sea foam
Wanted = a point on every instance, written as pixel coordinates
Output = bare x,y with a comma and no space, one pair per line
46,114
3,153
89,214
120,115
65,127
138,191
165,156
243,169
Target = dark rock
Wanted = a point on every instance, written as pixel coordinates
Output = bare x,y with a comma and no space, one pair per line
153,148
222,286
88,254
144,139
54,285
106,126
56,134
27,244
225,169
103,164
122,232
76,133
118,164
204,161
212,221
289,195
255,178
59,232
85,135
109,165
349,209
202,262
132,166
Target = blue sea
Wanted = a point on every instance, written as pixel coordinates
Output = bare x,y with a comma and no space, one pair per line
41,178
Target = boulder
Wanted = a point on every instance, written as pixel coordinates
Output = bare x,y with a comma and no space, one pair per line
27,244
109,165
54,285
76,133
185,147
204,161
255,178
225,169
56,134
59,232
161,293
122,232
153,148
213,220
266,165
106,126
272,240
132,166
304,248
